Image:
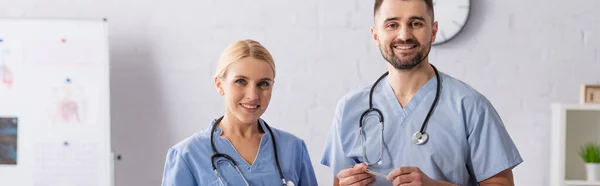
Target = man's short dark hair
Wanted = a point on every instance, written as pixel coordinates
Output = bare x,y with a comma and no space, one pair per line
428,2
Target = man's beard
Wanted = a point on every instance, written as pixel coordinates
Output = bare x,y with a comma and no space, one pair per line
405,64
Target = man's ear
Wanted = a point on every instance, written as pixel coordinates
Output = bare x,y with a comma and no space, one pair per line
219,85
375,37
434,30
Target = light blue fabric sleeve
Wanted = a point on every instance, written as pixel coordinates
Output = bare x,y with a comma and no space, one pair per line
491,147
307,172
333,153
176,171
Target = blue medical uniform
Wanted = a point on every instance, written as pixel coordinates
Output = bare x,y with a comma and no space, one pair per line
188,163
467,142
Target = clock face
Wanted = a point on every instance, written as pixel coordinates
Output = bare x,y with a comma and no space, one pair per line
451,16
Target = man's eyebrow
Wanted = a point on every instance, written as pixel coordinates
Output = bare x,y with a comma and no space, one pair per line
391,19
417,18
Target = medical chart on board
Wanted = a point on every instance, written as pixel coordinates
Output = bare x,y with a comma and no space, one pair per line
54,103
66,163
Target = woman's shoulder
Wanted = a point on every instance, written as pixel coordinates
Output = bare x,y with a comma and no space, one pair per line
286,138
198,142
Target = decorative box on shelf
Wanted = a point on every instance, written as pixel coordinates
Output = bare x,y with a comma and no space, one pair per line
573,126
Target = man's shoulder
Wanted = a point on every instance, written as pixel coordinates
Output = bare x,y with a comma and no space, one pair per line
460,88
456,85
468,96
355,95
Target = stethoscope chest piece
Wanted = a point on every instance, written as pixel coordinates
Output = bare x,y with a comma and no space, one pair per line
420,138
289,183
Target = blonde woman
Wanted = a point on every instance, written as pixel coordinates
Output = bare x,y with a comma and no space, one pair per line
239,148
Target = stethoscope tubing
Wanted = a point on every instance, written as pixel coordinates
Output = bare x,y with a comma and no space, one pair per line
216,153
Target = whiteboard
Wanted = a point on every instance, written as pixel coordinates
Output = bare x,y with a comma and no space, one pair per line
54,103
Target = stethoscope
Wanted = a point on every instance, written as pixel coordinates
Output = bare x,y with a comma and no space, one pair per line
216,154
418,138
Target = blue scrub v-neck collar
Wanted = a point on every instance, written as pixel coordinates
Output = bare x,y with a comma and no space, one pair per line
231,151
218,130
415,101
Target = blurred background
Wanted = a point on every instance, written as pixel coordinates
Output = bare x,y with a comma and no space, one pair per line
522,55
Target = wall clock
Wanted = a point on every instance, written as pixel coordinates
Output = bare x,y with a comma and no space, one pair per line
451,15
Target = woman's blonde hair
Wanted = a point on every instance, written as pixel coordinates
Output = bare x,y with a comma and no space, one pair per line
241,49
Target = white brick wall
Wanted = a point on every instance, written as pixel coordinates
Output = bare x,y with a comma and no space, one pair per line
522,55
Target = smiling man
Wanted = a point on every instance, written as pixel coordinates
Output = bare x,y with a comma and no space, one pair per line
416,125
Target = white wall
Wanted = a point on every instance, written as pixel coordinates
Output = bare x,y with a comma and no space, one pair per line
522,54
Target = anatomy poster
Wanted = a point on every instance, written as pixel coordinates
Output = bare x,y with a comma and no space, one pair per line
69,102
10,57
8,140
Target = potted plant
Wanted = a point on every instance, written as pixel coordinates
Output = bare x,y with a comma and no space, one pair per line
590,153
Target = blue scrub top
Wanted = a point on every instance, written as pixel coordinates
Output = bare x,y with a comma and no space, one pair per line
188,162
467,142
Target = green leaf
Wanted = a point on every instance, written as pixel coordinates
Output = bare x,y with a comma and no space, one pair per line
590,153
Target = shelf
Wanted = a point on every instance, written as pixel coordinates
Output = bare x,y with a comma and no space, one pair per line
573,125
581,183
589,106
